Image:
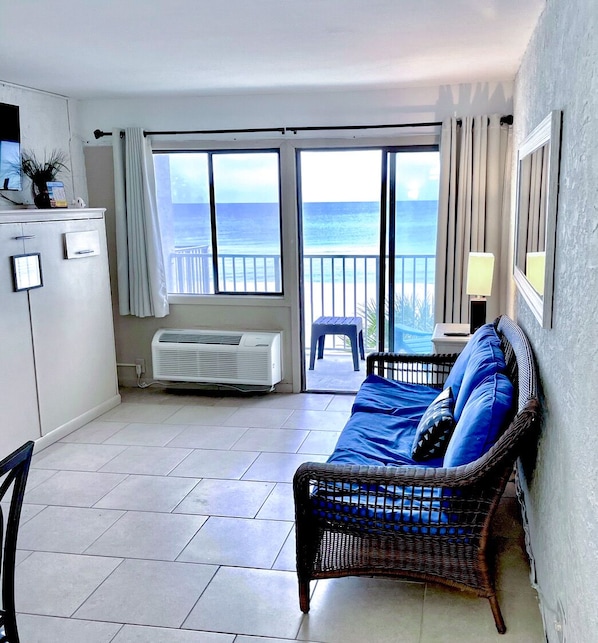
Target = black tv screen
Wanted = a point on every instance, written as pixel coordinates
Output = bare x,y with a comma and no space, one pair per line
10,147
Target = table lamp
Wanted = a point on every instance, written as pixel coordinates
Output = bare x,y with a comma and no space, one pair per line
535,269
480,270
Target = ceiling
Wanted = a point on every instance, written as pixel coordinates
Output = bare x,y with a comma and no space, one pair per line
130,48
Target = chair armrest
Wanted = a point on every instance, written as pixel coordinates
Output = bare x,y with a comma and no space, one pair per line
377,499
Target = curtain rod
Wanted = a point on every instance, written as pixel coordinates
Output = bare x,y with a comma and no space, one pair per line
505,120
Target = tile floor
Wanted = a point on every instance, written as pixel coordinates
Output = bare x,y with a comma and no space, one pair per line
334,372
170,519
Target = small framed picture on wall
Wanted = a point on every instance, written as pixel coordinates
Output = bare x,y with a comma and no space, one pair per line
27,271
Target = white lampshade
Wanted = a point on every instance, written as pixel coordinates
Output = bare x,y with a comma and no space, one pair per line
535,269
480,270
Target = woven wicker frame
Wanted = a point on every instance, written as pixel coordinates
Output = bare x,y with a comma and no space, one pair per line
331,545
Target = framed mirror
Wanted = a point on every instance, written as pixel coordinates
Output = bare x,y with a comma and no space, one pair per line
535,228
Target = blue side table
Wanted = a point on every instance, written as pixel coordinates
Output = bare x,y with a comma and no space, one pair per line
352,327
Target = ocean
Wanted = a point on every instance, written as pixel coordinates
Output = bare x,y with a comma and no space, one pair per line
327,228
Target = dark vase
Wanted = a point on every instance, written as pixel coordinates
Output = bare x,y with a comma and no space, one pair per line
41,197
42,200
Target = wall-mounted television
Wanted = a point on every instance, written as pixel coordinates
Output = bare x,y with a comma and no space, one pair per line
10,147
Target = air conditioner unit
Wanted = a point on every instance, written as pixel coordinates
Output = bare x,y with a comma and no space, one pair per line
216,356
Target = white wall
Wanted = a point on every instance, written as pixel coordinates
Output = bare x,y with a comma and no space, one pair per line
560,71
233,111
46,126
422,104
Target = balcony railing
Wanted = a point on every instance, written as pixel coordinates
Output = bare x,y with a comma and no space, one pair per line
333,284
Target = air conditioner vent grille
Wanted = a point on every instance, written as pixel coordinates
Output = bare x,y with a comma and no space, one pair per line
200,338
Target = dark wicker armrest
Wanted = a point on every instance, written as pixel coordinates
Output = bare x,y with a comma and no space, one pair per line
431,370
318,473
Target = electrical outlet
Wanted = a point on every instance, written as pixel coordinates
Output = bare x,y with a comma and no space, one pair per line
140,366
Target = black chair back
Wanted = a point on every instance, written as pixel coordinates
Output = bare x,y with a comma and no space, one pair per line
14,470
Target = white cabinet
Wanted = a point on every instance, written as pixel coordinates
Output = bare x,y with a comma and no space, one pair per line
58,365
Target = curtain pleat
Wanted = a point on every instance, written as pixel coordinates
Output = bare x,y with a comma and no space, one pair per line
471,211
142,290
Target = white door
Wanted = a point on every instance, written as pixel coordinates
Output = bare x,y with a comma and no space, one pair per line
19,419
71,319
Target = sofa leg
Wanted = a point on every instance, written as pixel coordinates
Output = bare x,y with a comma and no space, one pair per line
304,596
498,619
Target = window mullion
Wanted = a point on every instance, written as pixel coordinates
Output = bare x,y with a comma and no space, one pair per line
215,269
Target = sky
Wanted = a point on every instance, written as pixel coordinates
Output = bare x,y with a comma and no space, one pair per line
326,176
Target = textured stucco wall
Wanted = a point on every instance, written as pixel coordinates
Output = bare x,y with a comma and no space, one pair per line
560,71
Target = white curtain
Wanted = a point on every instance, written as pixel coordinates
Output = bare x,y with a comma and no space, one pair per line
142,290
473,210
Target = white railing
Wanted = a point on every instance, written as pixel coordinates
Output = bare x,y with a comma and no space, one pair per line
333,284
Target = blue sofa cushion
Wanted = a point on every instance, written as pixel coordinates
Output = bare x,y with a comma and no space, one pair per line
481,357
484,415
380,395
414,510
379,439
435,428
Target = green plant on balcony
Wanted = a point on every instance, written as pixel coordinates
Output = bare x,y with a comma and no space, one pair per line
412,312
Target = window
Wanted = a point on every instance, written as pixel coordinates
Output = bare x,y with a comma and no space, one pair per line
351,200
220,221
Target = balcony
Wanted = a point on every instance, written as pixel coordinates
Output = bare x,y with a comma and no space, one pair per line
333,284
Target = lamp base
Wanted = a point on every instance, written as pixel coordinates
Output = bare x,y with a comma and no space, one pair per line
477,314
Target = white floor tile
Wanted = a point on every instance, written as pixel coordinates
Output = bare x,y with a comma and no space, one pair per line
320,442
258,417
237,498
146,460
37,476
147,493
279,505
27,512
147,412
66,529
144,592
208,437
78,457
143,634
95,432
50,629
273,440
238,542
207,415
56,584
143,534
353,610
249,601
149,435
317,420
206,463
74,488
278,467
287,559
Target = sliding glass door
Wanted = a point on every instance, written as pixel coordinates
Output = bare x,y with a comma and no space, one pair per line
368,238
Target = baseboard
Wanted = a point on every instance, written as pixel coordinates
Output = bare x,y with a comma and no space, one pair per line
76,423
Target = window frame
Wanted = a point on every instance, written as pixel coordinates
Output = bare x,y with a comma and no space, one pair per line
210,152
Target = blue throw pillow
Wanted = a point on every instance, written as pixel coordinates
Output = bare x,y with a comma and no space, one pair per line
488,407
481,357
435,428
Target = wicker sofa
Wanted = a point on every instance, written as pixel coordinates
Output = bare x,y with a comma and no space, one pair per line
369,511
